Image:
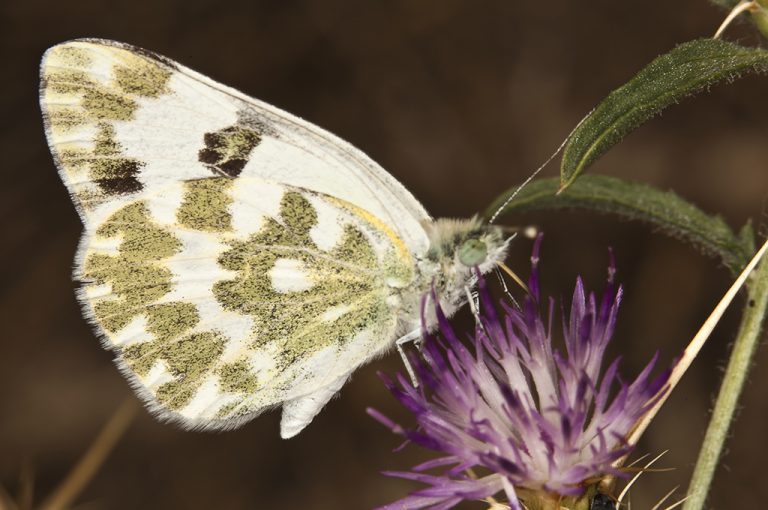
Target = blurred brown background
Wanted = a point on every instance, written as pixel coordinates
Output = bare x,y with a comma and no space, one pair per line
458,100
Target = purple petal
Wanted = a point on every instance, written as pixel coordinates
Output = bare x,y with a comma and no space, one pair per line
507,403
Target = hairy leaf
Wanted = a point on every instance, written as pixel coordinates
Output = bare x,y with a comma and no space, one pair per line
663,209
689,68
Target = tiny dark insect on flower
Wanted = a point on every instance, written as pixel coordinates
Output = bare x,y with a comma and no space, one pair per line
514,415
602,502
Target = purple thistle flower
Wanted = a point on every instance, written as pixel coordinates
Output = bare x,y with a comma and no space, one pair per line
533,422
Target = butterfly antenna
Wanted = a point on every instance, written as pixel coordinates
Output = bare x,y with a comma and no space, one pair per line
535,173
666,497
625,491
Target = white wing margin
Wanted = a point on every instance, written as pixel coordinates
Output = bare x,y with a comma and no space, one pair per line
122,121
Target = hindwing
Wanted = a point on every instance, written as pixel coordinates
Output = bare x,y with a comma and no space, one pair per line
250,294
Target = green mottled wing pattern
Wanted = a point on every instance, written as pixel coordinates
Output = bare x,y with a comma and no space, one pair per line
214,324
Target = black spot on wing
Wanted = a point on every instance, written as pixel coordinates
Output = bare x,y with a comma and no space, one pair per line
114,173
208,156
119,185
227,151
233,167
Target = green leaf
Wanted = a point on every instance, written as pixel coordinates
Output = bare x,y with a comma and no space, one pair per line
631,200
747,236
689,68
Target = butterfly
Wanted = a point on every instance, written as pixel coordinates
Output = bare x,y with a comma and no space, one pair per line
236,257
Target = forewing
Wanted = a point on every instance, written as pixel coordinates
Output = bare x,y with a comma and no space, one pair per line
222,297
123,122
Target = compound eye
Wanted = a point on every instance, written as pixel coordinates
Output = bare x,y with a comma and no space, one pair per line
602,502
472,252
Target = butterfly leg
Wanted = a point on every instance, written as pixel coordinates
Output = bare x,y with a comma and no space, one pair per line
473,298
415,337
503,282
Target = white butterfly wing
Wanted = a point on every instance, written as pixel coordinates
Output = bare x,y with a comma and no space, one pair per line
222,253
214,324
121,120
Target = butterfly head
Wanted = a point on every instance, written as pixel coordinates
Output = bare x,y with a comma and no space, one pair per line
457,248
466,244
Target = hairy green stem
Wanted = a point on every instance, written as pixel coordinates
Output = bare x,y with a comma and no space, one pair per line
747,340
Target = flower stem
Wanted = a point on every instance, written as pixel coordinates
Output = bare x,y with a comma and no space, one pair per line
747,339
